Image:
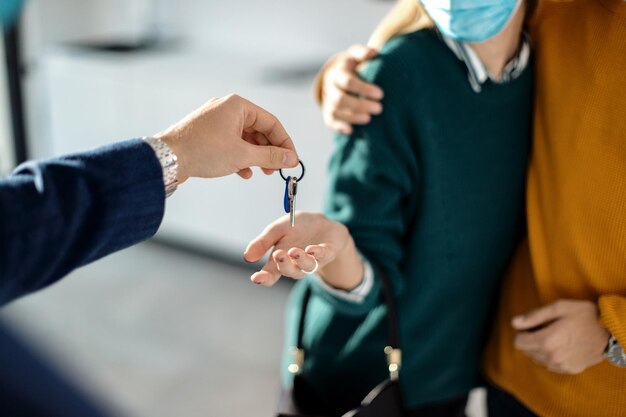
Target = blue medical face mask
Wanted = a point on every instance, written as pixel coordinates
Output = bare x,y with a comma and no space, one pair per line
471,20
9,11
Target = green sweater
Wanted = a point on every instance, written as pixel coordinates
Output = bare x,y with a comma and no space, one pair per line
432,192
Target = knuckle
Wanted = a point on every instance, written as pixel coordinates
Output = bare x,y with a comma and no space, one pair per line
273,157
335,103
352,83
363,106
343,60
341,77
355,49
232,97
342,101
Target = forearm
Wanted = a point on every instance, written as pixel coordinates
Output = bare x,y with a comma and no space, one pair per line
63,213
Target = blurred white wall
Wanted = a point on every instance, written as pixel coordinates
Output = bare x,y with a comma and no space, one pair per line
265,51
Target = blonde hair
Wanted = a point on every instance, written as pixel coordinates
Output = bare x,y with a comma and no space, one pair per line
405,17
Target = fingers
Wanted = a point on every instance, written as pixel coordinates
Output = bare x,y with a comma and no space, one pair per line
530,341
540,316
257,138
286,265
359,106
544,351
268,157
351,109
342,110
361,52
266,240
245,173
346,78
348,100
260,120
324,253
268,275
302,260
290,264
348,116
339,126
254,137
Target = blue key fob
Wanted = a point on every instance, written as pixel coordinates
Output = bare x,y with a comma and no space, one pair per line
286,199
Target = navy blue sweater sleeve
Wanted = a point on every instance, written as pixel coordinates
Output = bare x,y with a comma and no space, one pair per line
63,213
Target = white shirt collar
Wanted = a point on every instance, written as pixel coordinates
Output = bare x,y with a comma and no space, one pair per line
478,74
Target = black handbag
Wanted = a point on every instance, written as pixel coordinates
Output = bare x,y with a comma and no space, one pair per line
384,400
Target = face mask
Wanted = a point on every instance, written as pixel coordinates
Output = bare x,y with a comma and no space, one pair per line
9,11
471,20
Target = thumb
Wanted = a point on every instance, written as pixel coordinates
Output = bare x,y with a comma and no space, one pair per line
538,317
266,240
269,157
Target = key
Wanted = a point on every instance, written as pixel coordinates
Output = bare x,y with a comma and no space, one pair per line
292,191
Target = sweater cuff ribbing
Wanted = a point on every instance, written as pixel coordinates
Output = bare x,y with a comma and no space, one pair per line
613,316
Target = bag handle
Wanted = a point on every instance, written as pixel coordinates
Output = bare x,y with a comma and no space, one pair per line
392,351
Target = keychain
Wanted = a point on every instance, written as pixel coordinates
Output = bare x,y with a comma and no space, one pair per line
291,189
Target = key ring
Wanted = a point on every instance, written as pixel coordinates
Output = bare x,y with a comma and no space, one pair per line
297,179
314,270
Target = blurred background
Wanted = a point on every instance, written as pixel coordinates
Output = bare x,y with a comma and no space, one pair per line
172,327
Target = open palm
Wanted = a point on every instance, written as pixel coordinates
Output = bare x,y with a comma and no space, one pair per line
314,242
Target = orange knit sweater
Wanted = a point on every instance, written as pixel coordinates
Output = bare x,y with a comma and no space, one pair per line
576,204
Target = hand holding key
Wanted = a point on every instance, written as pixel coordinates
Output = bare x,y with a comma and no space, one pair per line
315,243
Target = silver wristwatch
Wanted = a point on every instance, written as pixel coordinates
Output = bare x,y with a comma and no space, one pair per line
169,164
615,353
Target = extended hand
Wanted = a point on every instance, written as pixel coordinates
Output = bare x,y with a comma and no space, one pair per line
296,249
229,135
569,338
345,98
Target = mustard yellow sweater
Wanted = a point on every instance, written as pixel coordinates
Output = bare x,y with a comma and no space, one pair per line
576,204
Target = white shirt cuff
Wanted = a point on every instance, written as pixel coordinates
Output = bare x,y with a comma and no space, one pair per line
356,295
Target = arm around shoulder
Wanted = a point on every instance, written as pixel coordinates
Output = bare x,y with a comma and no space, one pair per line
373,178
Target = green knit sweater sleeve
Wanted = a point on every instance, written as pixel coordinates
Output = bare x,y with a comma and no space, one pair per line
373,177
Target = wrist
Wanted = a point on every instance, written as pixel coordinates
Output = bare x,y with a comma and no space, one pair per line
346,271
172,139
168,161
615,353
